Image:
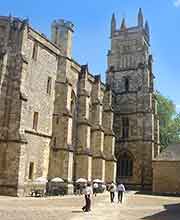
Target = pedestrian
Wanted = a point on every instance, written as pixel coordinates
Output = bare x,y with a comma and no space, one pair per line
120,190
95,188
87,194
112,190
77,189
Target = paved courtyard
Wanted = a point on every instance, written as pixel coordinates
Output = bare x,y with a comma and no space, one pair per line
69,208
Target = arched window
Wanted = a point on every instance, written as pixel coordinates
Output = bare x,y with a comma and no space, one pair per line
73,102
125,165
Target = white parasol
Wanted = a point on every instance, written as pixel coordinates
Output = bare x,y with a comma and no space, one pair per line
57,180
81,180
97,181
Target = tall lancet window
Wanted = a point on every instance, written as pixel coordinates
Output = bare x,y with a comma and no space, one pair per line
126,84
73,112
125,127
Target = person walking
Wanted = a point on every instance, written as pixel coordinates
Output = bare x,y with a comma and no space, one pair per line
120,190
95,188
88,194
112,190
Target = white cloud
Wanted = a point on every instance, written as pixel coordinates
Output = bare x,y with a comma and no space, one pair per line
177,3
178,106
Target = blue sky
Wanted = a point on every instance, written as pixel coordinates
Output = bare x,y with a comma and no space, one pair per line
92,27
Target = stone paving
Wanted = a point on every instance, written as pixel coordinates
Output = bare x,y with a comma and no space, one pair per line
69,208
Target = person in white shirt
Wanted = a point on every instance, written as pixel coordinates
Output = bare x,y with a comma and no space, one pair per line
88,194
112,190
120,190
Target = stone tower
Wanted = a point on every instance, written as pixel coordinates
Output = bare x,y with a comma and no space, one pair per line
130,77
61,35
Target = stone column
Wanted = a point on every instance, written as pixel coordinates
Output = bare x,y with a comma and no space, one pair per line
109,138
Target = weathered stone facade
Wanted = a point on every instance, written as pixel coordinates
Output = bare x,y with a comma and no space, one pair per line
166,177
55,117
136,125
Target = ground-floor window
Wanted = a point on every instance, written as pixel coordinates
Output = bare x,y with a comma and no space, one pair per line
125,165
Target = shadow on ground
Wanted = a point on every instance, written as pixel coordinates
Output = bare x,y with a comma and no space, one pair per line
172,212
157,194
77,211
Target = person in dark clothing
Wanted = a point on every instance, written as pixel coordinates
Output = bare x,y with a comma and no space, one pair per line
112,190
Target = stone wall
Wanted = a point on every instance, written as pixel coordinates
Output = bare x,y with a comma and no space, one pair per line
166,176
39,98
25,92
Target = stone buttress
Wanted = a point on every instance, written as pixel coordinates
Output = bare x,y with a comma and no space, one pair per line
109,137
97,131
12,142
83,160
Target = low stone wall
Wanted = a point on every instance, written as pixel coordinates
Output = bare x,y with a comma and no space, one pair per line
166,176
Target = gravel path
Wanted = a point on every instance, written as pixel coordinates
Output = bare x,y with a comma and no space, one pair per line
135,207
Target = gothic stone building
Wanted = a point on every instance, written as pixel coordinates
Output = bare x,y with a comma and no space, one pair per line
56,119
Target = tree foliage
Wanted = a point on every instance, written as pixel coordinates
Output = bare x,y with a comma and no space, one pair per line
169,121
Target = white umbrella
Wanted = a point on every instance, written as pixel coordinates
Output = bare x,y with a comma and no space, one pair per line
97,181
57,180
40,180
81,180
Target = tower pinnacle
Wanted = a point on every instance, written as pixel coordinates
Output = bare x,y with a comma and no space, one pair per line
123,25
113,24
147,27
140,18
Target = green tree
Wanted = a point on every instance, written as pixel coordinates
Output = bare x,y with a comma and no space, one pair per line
169,121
